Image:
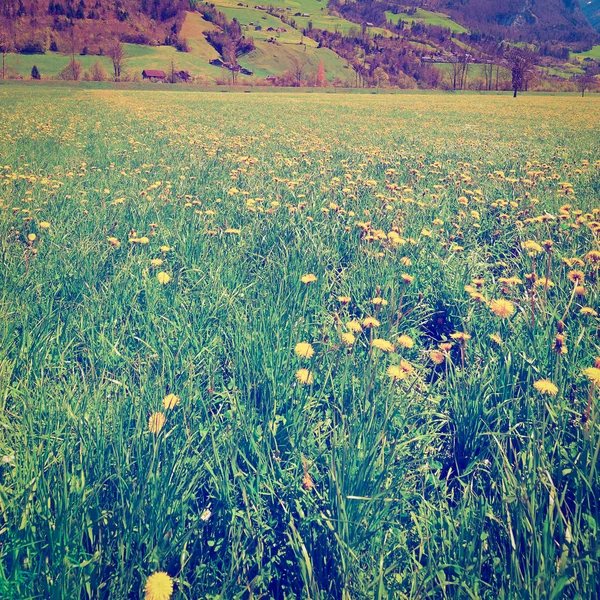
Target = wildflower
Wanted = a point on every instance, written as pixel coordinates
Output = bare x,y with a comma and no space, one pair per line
309,278
580,290
496,338
407,278
405,261
156,262
304,350
165,249
354,326
593,256
406,366
576,276
159,586
348,338
510,280
379,301
405,341
32,237
304,377
544,282
545,386
344,299
44,225
371,322
533,247
460,336
382,345
437,357
163,277
170,401
396,372
502,308
156,422
446,346
588,311
143,240
113,241
233,231
559,344
593,374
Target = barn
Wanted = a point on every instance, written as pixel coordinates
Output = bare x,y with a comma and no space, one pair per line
154,75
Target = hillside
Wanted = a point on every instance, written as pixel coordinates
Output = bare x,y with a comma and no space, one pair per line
591,10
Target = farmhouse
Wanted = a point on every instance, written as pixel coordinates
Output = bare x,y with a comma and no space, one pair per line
154,75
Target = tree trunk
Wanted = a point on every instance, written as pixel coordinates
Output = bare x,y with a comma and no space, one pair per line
515,94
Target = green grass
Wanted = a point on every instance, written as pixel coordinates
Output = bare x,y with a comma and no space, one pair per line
427,18
594,53
414,473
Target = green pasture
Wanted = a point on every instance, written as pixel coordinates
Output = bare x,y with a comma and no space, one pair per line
427,17
298,346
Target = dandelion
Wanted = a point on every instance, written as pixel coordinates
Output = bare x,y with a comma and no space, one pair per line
405,261
593,374
159,586
165,249
32,237
348,338
371,322
576,276
533,247
502,308
407,278
113,241
460,336
44,225
156,422
437,357
309,278
588,311
405,341
545,386
382,345
163,277
496,338
304,377
304,350
396,372
170,401
354,326
156,262
544,282
379,301
446,346
344,299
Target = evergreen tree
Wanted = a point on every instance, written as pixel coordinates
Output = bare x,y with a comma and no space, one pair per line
35,74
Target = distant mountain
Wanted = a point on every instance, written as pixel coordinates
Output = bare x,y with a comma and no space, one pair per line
563,20
591,10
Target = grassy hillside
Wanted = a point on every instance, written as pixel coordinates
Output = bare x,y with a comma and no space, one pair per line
427,18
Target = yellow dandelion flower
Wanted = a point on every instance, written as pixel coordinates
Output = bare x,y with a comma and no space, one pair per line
159,586
156,422
379,301
156,262
405,341
344,299
576,276
407,278
533,247
308,278
396,372
44,225
405,261
382,345
165,249
580,290
304,350
544,282
460,336
170,401
348,338
32,237
371,322
143,240
545,386
354,326
502,308
304,377
437,357
588,311
593,374
113,241
233,231
163,277
496,338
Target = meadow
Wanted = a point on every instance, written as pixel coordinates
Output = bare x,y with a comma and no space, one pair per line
298,345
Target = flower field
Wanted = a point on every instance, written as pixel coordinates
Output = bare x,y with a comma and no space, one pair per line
298,345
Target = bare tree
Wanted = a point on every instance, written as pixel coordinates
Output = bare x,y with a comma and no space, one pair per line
584,82
298,67
521,62
456,70
5,48
116,53
488,73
